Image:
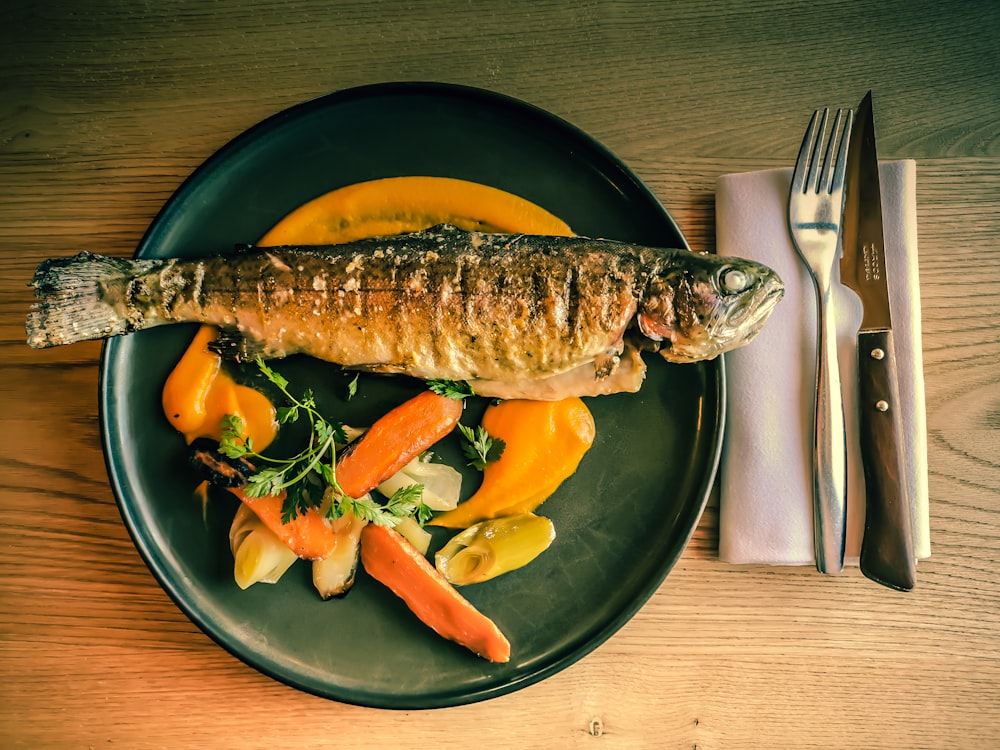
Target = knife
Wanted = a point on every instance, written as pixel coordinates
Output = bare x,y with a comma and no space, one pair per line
887,555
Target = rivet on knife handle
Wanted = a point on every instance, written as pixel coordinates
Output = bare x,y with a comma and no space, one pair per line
886,551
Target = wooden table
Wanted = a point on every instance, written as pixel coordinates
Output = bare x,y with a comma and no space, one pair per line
106,106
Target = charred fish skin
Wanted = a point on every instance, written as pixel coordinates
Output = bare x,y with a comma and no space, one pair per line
443,303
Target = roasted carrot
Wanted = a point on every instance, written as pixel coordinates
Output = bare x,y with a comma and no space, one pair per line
309,535
395,439
394,562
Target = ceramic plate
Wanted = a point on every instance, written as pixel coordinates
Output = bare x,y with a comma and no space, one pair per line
621,521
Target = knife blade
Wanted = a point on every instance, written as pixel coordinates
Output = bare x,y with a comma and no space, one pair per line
887,555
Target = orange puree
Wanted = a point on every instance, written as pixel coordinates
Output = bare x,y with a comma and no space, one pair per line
198,393
545,442
408,204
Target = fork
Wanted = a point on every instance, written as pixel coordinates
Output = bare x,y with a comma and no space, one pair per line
815,208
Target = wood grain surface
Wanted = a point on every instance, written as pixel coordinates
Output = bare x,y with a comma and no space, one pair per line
106,106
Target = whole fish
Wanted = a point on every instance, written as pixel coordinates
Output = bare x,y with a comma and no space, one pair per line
517,316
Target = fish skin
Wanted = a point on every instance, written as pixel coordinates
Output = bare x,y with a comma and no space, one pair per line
509,310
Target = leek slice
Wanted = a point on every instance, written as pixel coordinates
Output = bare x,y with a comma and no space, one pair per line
491,548
259,556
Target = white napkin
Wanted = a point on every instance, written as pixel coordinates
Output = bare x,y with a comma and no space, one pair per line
766,470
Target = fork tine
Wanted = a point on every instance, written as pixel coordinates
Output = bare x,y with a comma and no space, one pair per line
825,182
845,139
799,182
816,162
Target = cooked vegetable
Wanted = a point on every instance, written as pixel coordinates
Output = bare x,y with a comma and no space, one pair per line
259,556
310,480
442,483
414,533
394,562
545,441
396,439
309,535
217,468
491,548
334,574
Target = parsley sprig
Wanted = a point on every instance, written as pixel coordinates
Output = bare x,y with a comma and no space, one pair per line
480,447
309,478
456,389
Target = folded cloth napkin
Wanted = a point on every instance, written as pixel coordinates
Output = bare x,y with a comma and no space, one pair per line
766,469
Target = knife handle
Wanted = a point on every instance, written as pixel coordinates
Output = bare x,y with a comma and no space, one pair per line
887,547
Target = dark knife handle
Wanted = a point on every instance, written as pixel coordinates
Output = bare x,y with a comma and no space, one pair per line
887,548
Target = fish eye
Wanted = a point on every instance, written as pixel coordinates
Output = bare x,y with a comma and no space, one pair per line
733,280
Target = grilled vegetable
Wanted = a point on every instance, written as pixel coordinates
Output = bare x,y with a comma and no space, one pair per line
394,562
394,440
333,576
491,548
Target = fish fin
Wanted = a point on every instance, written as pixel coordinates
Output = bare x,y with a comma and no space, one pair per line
79,298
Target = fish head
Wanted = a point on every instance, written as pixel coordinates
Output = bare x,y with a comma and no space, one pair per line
704,305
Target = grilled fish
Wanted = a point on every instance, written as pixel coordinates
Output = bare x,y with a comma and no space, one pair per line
517,316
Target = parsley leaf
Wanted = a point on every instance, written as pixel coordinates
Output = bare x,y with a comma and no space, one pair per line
456,389
479,447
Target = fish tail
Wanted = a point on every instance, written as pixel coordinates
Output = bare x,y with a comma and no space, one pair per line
81,298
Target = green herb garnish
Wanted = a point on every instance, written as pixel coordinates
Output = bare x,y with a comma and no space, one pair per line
480,447
309,478
456,389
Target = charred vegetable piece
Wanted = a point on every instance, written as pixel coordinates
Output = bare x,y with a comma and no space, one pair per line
218,468
333,576
491,548
394,562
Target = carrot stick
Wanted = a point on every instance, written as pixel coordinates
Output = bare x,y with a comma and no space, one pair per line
309,535
394,562
394,440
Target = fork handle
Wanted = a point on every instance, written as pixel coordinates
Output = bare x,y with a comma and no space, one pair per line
830,455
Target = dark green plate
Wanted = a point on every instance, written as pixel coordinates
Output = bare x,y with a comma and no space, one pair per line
622,520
